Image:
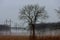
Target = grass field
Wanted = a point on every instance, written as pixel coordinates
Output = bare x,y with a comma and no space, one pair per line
28,38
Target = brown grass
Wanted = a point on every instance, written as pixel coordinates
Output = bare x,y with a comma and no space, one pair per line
28,38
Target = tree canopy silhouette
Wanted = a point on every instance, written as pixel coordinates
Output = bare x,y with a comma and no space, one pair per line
32,14
58,12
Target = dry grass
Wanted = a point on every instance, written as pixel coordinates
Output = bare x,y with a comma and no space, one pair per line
28,38
14,37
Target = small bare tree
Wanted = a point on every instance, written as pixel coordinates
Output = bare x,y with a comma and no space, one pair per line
58,11
32,14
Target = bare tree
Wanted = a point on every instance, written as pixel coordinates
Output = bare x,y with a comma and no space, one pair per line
32,14
58,11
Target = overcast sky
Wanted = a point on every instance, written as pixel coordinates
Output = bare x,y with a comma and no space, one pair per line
9,9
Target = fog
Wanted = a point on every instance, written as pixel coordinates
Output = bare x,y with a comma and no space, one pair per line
9,9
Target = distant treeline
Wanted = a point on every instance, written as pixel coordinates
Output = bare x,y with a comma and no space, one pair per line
51,26
41,26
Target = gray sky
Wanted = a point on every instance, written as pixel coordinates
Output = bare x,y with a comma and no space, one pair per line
10,8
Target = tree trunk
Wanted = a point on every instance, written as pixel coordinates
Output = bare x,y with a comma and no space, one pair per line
33,30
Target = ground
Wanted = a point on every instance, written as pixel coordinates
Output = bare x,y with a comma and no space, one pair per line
9,37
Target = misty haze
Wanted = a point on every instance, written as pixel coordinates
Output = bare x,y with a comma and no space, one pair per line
30,19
